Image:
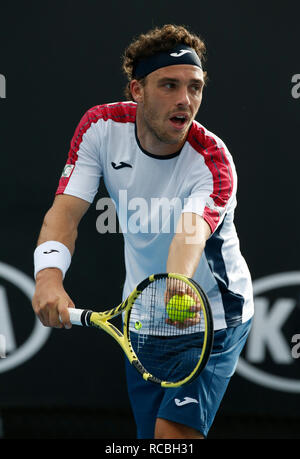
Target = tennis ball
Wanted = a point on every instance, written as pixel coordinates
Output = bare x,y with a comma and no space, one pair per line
178,307
138,325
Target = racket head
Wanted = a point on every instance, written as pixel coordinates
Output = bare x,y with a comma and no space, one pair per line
168,326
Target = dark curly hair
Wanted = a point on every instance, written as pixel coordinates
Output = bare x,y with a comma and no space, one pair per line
159,40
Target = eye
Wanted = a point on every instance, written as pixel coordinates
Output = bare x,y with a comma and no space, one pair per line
169,85
196,88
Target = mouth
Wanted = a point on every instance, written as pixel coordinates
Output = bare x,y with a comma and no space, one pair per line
179,121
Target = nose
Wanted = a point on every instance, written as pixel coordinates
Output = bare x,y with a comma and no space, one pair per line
183,96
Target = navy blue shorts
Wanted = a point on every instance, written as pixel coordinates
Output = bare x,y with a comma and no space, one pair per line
194,404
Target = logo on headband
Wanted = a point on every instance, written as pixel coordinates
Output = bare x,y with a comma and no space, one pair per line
181,53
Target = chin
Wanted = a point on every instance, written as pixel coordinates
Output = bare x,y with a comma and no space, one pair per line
171,138
179,138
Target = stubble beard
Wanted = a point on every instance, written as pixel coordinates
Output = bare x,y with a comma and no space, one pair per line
154,126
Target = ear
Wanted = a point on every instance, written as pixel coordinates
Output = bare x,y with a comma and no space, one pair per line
137,91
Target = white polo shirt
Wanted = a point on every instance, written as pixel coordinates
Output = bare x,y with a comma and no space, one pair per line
150,192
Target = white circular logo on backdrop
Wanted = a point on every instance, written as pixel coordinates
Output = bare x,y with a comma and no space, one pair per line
275,322
12,354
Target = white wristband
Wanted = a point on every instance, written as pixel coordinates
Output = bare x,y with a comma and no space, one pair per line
52,254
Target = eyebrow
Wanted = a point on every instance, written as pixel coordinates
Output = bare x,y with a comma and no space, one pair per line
176,80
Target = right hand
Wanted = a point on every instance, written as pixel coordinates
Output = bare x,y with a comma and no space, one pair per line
50,301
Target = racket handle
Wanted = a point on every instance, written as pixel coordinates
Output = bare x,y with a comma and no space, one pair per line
75,316
78,316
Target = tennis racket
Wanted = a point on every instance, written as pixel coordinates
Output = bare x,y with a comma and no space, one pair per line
167,328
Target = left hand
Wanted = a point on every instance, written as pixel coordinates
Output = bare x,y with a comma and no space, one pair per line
178,288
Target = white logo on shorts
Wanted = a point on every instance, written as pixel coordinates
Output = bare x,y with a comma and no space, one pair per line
185,401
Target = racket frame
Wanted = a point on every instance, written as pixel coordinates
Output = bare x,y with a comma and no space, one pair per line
100,320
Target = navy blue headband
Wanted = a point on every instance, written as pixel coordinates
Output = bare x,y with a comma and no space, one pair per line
181,54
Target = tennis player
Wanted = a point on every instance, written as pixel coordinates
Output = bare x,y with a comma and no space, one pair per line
152,147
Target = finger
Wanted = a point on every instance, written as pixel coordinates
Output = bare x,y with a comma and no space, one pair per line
192,321
53,318
57,310
43,315
64,315
196,308
188,322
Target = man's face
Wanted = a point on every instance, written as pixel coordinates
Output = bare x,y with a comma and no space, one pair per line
170,100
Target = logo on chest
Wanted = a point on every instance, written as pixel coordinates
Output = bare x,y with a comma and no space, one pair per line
121,165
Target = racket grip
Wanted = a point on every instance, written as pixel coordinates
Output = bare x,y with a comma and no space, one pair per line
79,316
76,315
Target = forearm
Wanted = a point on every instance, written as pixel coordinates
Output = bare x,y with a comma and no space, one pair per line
59,225
184,258
62,220
50,299
187,245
